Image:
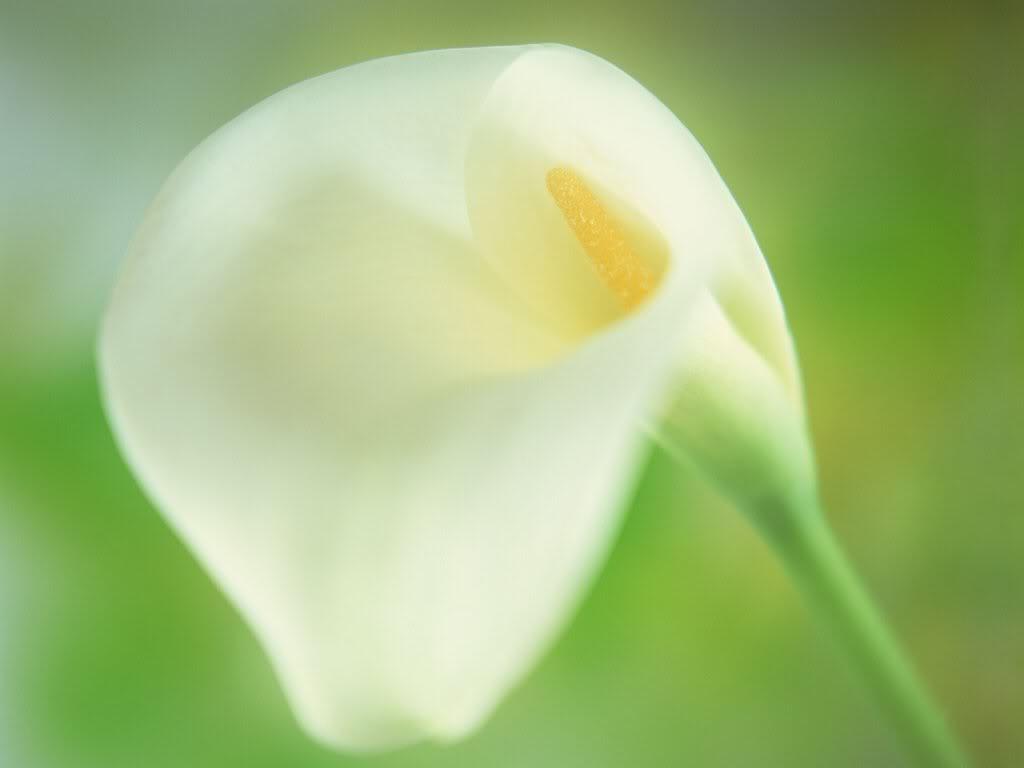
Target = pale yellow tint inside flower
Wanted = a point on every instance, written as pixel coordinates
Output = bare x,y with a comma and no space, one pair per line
618,265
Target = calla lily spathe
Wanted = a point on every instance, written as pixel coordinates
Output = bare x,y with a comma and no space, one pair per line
388,349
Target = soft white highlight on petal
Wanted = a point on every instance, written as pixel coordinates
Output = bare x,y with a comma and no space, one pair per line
362,365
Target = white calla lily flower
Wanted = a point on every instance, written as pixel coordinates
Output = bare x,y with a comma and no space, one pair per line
389,347
385,351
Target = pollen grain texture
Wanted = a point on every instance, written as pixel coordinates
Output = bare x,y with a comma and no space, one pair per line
616,262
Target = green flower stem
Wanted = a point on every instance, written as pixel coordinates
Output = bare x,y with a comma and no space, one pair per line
819,567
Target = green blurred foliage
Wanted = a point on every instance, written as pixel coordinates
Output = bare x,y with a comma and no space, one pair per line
879,154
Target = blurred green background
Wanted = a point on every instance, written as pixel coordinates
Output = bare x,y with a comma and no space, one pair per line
879,155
